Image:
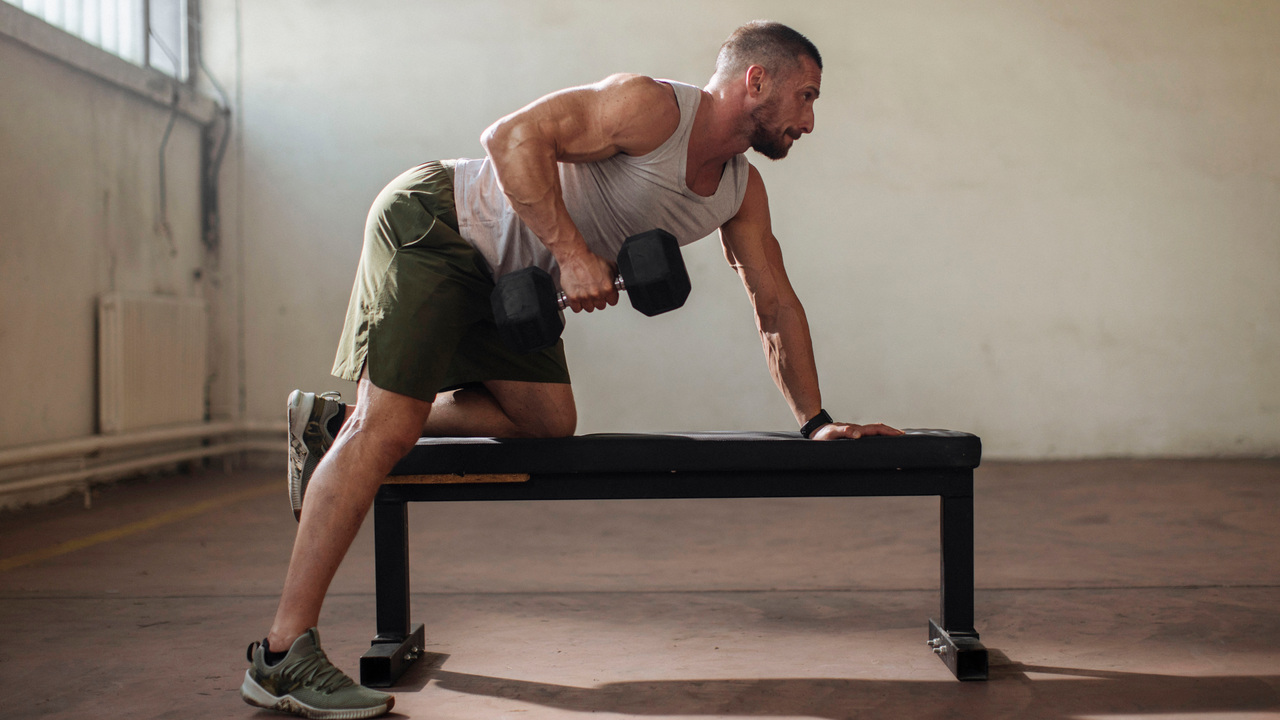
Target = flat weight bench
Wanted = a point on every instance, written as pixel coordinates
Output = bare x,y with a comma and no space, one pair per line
679,465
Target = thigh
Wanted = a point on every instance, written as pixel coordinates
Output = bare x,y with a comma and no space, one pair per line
541,409
419,287
481,356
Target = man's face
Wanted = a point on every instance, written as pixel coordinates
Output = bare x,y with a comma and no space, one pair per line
787,112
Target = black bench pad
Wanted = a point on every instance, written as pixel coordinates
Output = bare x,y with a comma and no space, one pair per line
681,465
690,452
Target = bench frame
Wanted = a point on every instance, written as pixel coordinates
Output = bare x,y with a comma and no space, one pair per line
398,642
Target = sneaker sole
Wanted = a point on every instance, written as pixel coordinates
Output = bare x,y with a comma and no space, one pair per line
299,415
255,695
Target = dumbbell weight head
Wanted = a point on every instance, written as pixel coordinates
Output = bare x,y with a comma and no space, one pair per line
653,271
526,304
524,307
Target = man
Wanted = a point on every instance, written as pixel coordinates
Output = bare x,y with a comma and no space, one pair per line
565,180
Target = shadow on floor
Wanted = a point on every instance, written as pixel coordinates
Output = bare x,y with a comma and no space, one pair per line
1056,693
428,666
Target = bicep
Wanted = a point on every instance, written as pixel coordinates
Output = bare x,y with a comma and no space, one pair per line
620,114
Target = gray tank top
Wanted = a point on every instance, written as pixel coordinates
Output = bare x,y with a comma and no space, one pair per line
608,200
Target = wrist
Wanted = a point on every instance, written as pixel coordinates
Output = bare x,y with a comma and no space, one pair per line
812,424
567,247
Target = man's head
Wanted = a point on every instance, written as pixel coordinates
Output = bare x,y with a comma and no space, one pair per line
777,71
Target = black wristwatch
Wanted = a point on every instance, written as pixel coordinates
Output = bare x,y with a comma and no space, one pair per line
815,422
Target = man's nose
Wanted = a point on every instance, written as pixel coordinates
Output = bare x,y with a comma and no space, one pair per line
806,121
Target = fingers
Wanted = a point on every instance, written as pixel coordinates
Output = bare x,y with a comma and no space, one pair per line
588,284
611,292
836,431
591,303
880,429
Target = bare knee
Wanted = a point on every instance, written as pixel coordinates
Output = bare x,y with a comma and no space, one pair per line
378,443
385,426
397,443
553,425
554,417
536,410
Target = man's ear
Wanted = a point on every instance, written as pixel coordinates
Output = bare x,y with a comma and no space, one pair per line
755,79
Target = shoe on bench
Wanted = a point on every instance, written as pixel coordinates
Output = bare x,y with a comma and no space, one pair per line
309,438
306,684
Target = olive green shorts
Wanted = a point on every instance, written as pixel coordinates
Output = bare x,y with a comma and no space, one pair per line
419,316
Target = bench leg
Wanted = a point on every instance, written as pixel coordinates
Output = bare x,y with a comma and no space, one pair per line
397,645
954,638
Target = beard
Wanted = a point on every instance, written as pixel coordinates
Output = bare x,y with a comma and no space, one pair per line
766,140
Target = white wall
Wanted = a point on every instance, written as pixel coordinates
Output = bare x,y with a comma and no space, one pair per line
1055,224
79,216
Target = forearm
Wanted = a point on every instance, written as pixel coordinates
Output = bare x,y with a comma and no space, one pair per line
753,251
788,349
529,175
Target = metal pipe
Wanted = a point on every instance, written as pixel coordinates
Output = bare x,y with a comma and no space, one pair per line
95,443
136,464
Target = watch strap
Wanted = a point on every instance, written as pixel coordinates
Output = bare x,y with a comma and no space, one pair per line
815,422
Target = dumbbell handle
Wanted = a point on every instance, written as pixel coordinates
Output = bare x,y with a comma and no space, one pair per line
562,300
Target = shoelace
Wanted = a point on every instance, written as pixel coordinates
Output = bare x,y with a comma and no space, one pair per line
317,673
327,678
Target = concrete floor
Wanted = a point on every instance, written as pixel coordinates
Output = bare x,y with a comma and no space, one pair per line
1106,589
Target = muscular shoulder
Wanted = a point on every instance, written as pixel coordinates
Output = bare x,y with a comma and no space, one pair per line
630,114
633,88
640,112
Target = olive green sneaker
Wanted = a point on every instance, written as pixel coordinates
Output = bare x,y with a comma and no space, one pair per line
306,684
309,438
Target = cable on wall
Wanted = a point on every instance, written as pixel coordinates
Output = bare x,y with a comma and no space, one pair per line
165,229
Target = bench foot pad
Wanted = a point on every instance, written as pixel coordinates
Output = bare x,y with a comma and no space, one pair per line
963,654
388,658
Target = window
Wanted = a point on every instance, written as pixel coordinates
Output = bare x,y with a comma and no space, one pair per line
150,33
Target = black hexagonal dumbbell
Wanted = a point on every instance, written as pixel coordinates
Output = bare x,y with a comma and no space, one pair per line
527,307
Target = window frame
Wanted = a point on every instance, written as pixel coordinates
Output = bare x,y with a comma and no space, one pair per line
26,29
138,31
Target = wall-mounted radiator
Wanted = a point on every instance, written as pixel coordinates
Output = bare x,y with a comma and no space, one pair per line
151,361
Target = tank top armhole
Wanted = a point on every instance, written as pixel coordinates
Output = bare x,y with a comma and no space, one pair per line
741,176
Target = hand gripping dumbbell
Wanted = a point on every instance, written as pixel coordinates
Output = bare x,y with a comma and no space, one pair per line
527,306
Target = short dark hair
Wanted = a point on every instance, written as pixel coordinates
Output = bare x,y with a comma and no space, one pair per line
771,45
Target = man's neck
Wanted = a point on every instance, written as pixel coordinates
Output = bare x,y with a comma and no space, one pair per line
718,132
